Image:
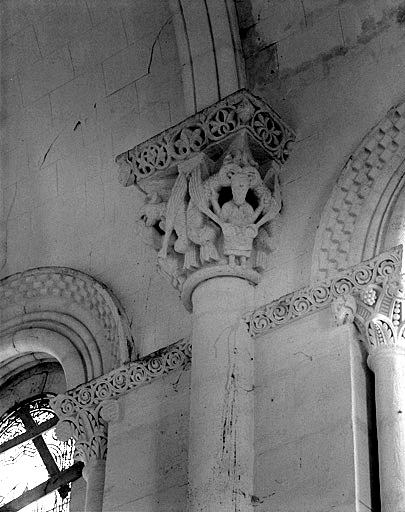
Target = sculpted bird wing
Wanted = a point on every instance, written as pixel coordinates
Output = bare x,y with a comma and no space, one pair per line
176,199
175,202
197,194
274,206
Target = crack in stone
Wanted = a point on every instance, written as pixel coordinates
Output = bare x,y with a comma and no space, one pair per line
156,40
5,232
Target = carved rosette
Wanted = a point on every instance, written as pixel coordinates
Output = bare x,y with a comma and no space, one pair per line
212,191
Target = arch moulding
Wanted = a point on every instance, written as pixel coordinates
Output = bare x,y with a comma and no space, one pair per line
67,315
354,221
210,52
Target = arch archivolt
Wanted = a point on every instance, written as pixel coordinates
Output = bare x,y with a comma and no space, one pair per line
354,221
46,341
66,315
210,51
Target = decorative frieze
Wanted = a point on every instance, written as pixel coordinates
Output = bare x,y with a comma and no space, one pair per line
209,131
307,300
85,411
212,191
130,376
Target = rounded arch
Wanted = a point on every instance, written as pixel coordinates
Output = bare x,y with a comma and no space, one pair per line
67,315
354,221
210,51
46,341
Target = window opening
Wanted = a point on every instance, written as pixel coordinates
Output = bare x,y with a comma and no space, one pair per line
36,469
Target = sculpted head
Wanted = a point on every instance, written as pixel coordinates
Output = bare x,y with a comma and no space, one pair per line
240,173
240,184
125,174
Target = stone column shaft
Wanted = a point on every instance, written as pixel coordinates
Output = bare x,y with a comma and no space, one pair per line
222,399
94,474
379,313
211,194
389,368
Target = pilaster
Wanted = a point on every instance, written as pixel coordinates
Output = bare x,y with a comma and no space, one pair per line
379,313
88,426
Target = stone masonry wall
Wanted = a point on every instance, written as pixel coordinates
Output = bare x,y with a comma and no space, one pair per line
332,69
313,429
82,81
148,448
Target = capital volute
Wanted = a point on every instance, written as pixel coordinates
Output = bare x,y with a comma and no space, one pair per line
87,425
378,311
212,191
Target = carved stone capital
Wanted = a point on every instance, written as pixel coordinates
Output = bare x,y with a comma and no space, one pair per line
380,314
84,412
87,426
212,191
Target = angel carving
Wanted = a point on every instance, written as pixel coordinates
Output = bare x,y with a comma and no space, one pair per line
222,218
238,219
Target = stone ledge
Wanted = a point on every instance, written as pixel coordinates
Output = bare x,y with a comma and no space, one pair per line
126,378
211,131
301,303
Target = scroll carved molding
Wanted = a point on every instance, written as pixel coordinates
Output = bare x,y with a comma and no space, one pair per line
65,292
303,302
85,411
343,231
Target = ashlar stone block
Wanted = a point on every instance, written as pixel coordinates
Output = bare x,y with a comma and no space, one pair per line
66,21
77,97
148,453
46,75
18,51
129,64
10,94
98,44
310,43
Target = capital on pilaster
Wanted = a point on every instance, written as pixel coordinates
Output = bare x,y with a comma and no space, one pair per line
212,191
88,426
379,314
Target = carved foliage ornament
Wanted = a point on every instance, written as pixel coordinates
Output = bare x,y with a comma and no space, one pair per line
87,427
211,127
307,300
212,190
85,411
380,313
